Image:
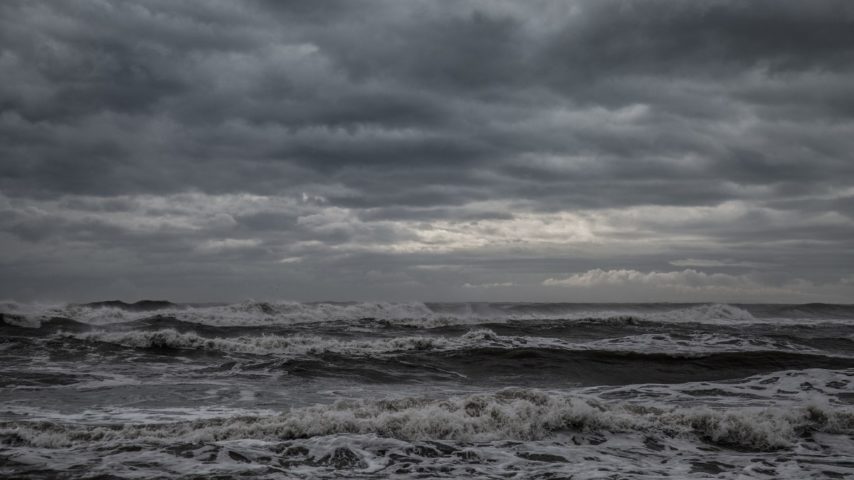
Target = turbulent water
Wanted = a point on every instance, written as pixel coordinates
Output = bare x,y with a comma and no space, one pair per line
376,390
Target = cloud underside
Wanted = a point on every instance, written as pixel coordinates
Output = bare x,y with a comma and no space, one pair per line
545,150
688,280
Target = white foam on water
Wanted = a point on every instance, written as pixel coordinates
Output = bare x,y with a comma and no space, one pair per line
369,456
121,415
588,433
789,388
412,314
696,344
294,345
511,414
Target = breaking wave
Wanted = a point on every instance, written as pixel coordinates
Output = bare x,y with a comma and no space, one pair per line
511,414
414,314
678,346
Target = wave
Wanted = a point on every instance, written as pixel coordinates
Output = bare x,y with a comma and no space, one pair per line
247,313
49,324
786,387
677,346
266,344
142,305
416,315
479,357
511,414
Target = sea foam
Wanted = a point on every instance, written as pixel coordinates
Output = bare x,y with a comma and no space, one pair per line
511,414
413,314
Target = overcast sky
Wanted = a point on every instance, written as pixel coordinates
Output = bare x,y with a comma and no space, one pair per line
424,150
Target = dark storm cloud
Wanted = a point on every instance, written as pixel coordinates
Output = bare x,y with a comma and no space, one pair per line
465,81
398,134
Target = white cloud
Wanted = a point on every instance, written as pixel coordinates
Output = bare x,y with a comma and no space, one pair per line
290,260
489,285
212,246
689,280
694,285
700,262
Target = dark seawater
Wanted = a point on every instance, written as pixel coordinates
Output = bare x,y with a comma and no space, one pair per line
380,390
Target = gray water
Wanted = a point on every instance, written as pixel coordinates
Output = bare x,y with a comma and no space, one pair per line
381,390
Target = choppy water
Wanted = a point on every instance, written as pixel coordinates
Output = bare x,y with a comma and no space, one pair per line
377,390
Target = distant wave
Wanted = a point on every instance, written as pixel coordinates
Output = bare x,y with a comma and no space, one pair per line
414,315
268,344
681,346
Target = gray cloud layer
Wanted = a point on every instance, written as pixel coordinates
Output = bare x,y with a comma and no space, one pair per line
544,150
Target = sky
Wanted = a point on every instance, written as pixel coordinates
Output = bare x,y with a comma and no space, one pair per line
576,151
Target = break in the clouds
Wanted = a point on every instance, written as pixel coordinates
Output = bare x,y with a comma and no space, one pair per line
544,150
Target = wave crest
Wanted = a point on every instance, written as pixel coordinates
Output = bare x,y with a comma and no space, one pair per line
413,314
678,346
512,414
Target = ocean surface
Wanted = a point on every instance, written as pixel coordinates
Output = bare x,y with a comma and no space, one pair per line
383,390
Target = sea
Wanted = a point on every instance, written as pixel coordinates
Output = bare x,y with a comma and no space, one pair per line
291,390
